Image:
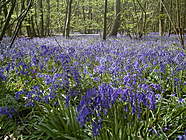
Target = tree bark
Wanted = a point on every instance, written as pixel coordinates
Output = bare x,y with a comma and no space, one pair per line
48,17
105,22
161,19
67,26
41,18
35,20
116,24
185,14
33,26
66,13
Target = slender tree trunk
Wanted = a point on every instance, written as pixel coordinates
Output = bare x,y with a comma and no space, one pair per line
161,19
171,12
184,16
22,9
41,17
90,17
179,27
142,21
35,20
105,22
116,24
48,17
67,26
84,19
57,10
32,25
28,26
66,13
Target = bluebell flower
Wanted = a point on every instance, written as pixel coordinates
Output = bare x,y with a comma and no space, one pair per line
125,94
96,79
96,127
162,68
115,95
83,114
156,86
71,50
91,93
8,67
35,61
173,95
45,99
181,100
100,69
134,110
128,68
152,100
136,64
145,87
126,79
48,79
37,98
29,104
179,57
67,100
7,111
18,93
75,74
2,76
158,96
102,60
176,81
183,137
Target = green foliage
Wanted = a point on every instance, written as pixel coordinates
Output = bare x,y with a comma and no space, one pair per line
152,125
60,123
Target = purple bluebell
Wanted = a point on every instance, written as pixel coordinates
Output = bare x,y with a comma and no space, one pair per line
7,111
18,94
181,100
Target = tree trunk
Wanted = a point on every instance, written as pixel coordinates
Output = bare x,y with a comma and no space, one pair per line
184,14
90,17
32,25
41,18
22,9
105,22
171,12
66,13
161,19
67,26
57,10
116,24
28,24
179,27
48,17
35,20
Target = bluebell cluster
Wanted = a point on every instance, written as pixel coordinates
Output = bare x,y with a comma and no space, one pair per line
31,97
182,137
97,102
120,70
9,112
2,76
